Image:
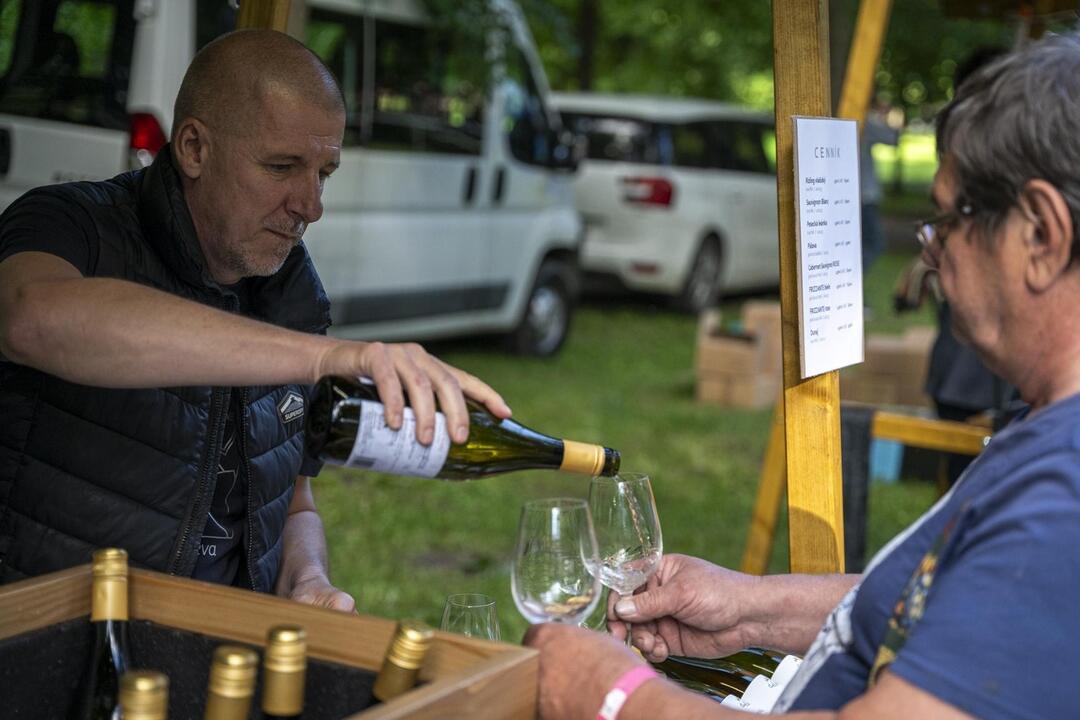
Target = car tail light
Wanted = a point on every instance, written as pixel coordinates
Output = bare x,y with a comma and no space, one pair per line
146,138
656,191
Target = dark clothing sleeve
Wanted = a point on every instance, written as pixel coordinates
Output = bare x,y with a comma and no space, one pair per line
43,220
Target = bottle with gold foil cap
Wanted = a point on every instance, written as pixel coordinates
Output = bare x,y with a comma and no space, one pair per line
97,697
345,426
232,683
144,695
284,672
401,666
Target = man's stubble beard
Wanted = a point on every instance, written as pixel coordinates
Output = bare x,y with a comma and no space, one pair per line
242,263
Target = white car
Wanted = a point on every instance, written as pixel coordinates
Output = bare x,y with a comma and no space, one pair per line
452,210
678,195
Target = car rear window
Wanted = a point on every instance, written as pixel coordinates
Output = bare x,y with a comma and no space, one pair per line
67,60
620,138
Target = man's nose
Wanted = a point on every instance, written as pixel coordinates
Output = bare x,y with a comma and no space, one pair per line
305,199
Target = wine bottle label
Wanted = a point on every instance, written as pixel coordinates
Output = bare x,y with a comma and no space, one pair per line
786,670
379,447
761,695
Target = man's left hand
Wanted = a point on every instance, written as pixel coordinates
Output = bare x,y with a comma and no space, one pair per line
318,591
577,668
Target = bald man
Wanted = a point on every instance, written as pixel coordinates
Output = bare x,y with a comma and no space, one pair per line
160,330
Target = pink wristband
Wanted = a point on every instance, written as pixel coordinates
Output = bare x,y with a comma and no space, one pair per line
627,683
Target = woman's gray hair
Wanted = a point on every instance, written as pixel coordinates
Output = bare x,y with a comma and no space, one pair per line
1013,120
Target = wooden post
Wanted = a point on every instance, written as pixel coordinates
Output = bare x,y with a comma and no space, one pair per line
271,14
863,58
812,406
759,538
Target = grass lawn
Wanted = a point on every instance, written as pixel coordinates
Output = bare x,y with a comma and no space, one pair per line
624,379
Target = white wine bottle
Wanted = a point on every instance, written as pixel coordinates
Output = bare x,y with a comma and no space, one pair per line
749,662
717,682
346,426
232,683
144,695
284,673
403,660
97,697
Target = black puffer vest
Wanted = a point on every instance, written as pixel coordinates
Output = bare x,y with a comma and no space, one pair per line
84,467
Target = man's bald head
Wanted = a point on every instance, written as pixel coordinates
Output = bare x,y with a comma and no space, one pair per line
229,79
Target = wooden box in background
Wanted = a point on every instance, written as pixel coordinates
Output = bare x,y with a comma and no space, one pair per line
45,634
894,371
740,369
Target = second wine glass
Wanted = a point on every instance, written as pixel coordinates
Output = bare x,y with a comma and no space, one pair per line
627,530
552,578
471,614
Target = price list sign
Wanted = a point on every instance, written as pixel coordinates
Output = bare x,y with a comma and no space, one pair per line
828,233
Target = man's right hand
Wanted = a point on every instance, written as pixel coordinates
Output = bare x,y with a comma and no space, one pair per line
689,607
397,369
694,608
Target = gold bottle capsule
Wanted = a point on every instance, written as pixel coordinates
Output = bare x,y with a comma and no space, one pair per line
144,695
109,569
401,666
284,671
232,683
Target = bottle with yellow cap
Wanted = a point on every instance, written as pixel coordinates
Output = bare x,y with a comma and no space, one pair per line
284,672
97,694
144,695
232,683
345,426
401,666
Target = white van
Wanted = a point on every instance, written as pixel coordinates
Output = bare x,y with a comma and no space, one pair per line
452,210
678,195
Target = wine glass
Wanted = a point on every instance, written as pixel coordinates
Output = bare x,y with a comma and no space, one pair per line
471,614
627,531
552,578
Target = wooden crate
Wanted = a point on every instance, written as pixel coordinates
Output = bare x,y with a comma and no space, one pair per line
463,677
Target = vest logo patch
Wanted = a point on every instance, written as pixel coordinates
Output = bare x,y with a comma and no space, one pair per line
291,407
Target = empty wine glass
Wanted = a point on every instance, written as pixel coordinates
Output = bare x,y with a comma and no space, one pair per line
471,614
627,531
552,578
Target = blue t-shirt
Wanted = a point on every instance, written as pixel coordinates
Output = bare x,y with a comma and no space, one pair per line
991,615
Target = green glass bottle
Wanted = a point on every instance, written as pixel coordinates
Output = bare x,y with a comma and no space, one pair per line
717,682
345,426
97,697
749,662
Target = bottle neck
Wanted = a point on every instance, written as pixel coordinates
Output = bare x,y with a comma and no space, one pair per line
283,694
393,680
109,599
582,458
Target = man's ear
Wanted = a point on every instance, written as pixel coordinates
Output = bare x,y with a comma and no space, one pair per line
1050,236
191,147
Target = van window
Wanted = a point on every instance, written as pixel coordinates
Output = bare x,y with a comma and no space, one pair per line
422,98
338,40
527,127
212,19
70,61
694,146
619,139
422,101
744,146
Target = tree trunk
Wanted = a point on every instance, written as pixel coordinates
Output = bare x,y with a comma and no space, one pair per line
841,27
587,28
